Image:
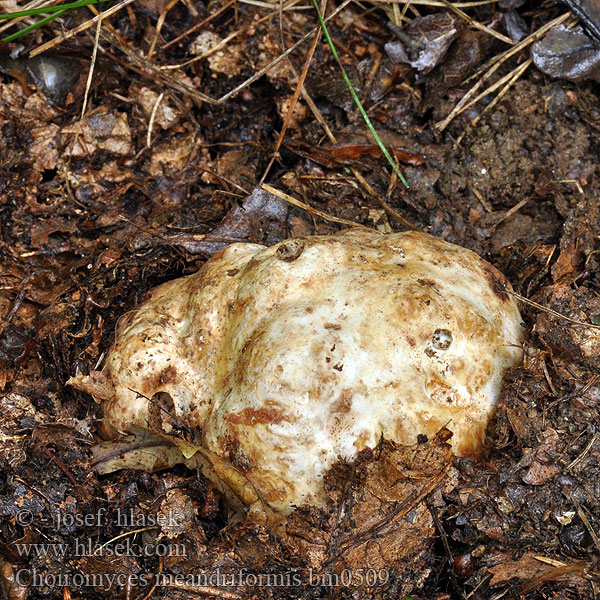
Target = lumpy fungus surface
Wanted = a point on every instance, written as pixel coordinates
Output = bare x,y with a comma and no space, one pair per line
286,359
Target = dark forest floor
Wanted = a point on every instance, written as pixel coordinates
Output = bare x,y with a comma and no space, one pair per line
95,211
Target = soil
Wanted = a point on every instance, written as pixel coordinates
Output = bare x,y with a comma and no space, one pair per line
95,211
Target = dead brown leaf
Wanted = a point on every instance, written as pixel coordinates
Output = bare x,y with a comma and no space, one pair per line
100,130
567,54
376,517
525,568
164,114
425,41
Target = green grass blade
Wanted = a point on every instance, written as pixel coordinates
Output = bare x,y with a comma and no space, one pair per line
13,36
56,11
356,99
48,9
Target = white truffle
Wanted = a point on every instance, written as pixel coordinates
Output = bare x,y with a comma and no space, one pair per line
291,357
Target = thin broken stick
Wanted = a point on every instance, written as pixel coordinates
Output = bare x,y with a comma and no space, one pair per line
310,209
553,312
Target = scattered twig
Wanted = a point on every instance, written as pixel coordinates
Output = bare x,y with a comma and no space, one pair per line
577,568
88,84
14,20
38,8
509,213
85,25
492,88
587,448
476,24
438,3
393,519
515,75
207,590
99,549
152,118
586,522
33,26
60,464
159,26
277,60
493,66
160,74
310,209
294,101
392,212
553,312
550,561
199,25
444,537
147,596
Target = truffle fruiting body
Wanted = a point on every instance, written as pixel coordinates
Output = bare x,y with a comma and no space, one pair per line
291,357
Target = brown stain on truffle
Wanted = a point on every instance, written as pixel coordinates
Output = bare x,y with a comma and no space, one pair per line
343,404
165,377
362,440
264,415
426,282
498,283
471,445
272,495
237,456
